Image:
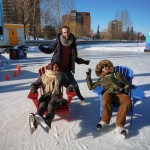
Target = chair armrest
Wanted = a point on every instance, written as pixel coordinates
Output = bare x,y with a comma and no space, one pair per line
73,93
137,93
70,95
33,95
98,90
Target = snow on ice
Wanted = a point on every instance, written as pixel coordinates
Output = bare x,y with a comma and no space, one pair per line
80,133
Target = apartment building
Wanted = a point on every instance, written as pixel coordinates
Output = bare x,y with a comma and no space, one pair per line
25,12
79,23
114,26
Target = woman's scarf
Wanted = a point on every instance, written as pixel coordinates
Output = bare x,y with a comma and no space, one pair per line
51,81
66,42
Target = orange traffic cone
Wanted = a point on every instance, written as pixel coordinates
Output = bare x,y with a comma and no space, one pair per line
15,74
7,77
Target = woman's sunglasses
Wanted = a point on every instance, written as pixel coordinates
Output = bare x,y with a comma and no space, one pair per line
105,65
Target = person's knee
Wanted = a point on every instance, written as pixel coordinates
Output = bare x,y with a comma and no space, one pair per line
42,105
75,85
106,99
127,100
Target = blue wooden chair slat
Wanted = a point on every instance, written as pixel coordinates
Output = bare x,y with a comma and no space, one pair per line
135,93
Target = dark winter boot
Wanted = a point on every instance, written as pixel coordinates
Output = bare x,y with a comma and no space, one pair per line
76,88
48,119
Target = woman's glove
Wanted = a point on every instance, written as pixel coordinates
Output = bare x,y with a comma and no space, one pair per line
127,88
33,90
124,90
88,74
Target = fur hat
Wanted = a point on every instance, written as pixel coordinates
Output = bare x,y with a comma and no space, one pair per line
98,69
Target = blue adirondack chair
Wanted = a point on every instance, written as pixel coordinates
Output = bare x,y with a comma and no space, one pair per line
135,93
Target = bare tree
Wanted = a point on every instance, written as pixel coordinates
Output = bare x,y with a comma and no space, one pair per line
21,12
124,18
53,10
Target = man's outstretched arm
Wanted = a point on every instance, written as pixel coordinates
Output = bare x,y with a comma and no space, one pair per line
48,50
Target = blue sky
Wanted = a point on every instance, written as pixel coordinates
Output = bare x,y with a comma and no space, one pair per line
104,11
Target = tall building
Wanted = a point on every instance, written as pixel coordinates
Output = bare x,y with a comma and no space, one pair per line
8,9
25,12
114,26
79,23
115,29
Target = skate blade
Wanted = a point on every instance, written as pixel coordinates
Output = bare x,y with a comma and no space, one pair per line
123,134
32,130
31,121
42,123
44,127
98,127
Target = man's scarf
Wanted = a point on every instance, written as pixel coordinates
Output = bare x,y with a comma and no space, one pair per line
66,42
51,81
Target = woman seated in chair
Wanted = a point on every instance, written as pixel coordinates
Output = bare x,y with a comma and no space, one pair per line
116,89
51,82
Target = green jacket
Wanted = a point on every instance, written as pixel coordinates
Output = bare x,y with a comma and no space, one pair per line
112,83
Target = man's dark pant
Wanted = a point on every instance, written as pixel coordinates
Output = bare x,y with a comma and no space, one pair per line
74,83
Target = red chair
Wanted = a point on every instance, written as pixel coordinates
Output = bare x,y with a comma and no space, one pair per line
61,110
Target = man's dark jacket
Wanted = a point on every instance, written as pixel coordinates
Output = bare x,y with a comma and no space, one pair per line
56,48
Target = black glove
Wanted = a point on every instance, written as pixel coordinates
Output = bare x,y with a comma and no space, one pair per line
69,88
127,90
58,99
40,47
121,90
87,62
88,74
124,90
34,91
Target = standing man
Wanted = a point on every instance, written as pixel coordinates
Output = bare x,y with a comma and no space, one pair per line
65,53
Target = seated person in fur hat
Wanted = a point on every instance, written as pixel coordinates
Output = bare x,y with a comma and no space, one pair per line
51,81
115,91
